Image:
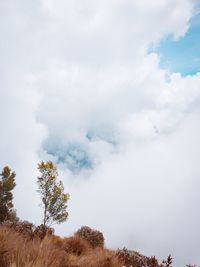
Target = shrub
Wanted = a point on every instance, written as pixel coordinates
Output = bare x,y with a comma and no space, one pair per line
167,262
93,237
42,230
75,245
23,227
153,262
131,258
28,229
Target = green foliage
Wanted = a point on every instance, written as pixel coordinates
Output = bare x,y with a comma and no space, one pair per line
54,200
7,184
94,237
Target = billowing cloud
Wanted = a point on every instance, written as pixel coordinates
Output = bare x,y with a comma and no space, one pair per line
79,86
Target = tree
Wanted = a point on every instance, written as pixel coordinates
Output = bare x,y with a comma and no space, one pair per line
54,200
7,184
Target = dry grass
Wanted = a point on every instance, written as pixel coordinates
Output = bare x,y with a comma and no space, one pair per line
75,245
99,258
18,250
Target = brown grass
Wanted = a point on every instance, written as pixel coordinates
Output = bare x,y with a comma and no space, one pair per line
18,250
99,258
75,245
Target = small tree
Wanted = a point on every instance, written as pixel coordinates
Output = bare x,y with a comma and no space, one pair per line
54,200
7,184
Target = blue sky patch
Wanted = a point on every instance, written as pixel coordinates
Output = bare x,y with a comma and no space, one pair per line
74,156
182,55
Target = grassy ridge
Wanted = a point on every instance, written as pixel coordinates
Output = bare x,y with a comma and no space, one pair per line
18,249
24,245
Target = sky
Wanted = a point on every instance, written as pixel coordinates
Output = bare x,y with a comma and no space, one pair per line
182,55
109,91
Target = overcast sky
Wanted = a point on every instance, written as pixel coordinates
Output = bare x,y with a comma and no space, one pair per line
110,91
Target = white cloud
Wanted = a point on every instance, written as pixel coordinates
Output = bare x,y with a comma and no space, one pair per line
146,196
21,138
78,85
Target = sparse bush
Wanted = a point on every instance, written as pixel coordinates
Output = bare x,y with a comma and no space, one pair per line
41,231
75,245
29,230
131,258
153,262
93,237
135,259
23,227
167,262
